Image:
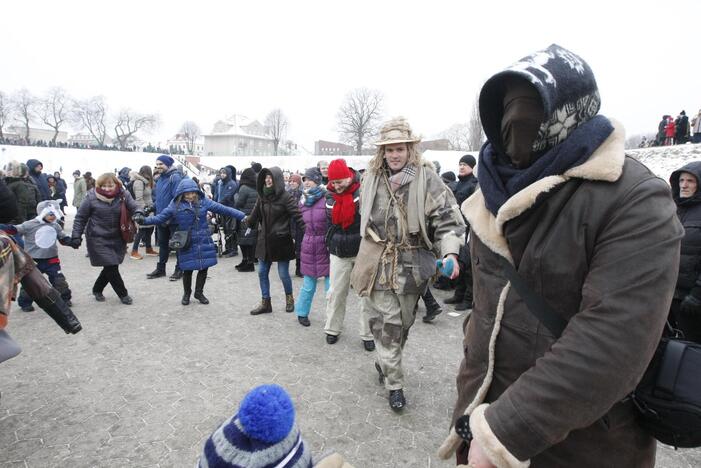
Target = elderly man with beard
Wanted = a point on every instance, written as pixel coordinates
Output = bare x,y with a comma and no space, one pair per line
166,186
564,217
408,219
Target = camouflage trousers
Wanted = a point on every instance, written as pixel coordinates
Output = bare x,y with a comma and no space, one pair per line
391,316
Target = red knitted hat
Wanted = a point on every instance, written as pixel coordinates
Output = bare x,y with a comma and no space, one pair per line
339,170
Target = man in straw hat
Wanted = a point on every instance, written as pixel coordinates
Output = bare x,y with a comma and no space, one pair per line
562,215
408,219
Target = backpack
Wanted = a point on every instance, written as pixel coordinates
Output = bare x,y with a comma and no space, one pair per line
130,188
668,397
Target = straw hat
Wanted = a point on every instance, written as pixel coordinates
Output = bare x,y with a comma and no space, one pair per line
396,130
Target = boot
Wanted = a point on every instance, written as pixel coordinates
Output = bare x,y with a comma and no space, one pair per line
465,304
458,296
157,273
176,276
433,309
264,308
151,252
289,303
186,298
57,309
200,297
246,267
304,321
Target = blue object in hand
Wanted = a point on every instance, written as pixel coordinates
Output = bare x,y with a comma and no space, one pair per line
445,266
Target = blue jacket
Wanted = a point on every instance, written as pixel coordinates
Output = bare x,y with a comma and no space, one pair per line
191,217
40,180
227,188
166,186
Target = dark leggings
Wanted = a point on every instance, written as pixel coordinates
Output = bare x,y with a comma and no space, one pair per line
144,234
248,252
110,274
199,281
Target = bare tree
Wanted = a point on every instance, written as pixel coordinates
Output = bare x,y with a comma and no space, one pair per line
276,123
24,105
458,137
53,110
475,135
191,131
127,123
359,116
5,111
91,115
639,140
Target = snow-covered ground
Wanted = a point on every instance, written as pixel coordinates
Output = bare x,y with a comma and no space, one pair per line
661,160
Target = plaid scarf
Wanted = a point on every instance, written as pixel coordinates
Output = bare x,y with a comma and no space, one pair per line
403,177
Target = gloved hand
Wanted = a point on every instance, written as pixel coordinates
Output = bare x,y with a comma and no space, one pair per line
65,241
692,302
138,218
75,242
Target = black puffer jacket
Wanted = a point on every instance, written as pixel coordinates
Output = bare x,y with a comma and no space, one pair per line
27,195
341,242
246,199
273,215
8,204
465,186
689,213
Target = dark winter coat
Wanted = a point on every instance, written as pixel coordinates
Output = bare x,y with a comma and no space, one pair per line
314,254
465,186
246,201
341,242
296,235
227,188
185,216
100,221
600,244
166,185
123,175
40,180
682,128
27,195
274,214
689,213
8,204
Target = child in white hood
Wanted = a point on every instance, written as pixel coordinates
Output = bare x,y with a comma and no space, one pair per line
40,237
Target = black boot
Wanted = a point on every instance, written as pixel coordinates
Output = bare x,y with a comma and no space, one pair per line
433,309
177,274
186,298
200,297
459,294
57,309
396,400
199,287
157,273
465,304
247,267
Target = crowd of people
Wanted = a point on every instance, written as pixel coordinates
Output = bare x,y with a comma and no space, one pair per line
675,131
560,216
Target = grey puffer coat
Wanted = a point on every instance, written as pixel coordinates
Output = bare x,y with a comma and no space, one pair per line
99,220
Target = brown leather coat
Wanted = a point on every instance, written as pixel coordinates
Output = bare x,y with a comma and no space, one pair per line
601,245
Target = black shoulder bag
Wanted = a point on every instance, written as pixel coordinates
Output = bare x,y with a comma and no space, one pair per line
668,397
181,239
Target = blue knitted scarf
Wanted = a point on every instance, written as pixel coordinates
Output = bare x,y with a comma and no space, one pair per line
313,194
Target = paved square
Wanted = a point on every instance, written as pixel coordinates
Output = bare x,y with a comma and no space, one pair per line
144,385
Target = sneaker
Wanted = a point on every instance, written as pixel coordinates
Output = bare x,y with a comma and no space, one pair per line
304,321
126,300
396,400
135,255
331,339
99,297
28,309
369,345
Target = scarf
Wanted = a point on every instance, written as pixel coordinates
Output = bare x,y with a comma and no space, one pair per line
105,195
403,177
313,194
343,212
499,180
269,191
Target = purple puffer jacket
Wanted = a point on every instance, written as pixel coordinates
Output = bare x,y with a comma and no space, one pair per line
315,255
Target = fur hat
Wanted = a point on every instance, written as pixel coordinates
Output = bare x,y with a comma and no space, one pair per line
262,433
469,160
296,178
16,169
313,174
396,130
338,169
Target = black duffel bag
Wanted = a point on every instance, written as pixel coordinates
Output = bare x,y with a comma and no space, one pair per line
668,397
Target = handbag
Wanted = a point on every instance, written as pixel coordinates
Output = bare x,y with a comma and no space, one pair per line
181,239
126,224
668,397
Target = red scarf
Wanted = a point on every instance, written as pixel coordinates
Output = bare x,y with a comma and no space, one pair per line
107,194
343,212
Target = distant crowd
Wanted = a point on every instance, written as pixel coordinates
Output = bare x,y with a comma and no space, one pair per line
675,131
51,144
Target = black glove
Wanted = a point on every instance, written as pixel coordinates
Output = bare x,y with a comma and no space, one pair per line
692,302
75,242
65,241
138,218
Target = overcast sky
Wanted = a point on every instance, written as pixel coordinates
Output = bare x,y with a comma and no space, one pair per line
203,60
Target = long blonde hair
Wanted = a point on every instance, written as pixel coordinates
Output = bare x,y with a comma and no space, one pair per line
378,161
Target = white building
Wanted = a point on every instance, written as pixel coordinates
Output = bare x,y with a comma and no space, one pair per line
179,143
237,135
17,132
87,140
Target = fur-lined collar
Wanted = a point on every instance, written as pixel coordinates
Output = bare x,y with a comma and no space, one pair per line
605,164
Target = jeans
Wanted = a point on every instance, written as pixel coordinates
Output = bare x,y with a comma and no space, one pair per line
164,233
306,295
283,271
144,234
51,267
110,274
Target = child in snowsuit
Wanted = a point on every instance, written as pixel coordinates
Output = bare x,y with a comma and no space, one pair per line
40,236
188,212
